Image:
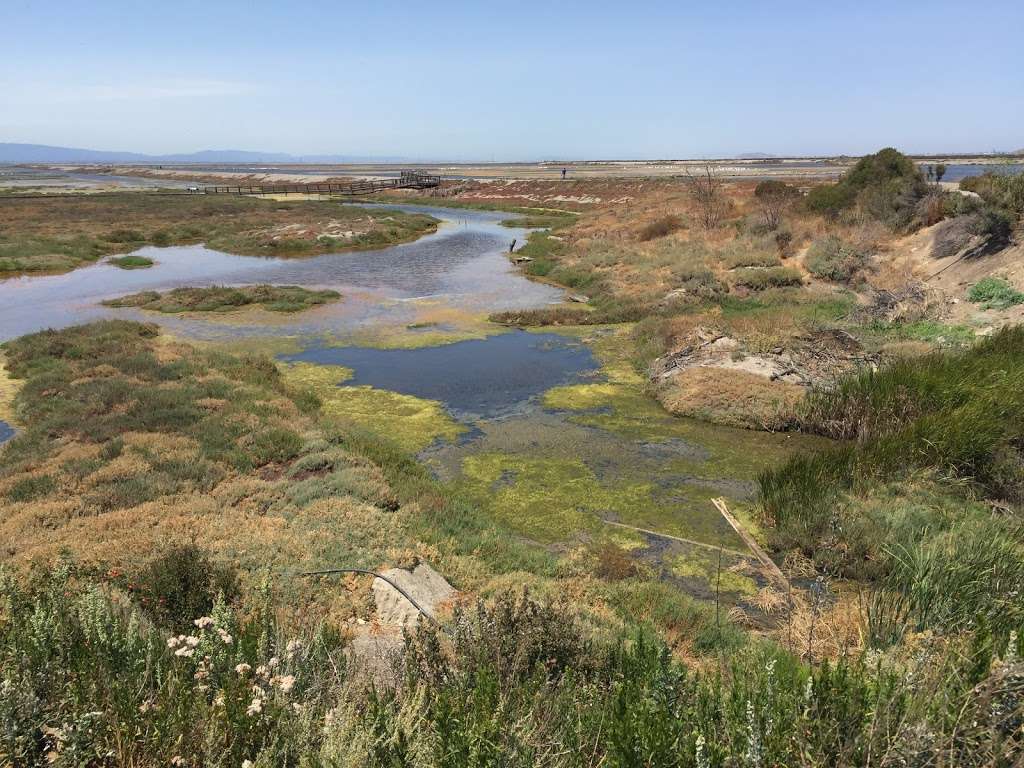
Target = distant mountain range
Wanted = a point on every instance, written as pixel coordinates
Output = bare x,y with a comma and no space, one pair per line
41,153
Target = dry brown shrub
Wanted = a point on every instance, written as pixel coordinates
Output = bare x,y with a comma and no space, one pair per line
731,397
769,601
614,563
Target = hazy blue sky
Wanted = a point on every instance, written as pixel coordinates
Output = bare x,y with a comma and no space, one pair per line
523,80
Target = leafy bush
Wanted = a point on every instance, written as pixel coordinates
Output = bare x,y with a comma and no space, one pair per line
516,683
885,186
994,224
183,583
831,258
31,488
994,293
1001,190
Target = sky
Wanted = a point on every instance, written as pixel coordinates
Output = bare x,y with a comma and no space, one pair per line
479,81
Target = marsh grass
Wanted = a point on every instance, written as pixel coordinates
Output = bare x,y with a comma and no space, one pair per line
132,262
951,419
67,231
273,298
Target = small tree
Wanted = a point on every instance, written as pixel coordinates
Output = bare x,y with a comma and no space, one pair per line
774,197
940,171
706,191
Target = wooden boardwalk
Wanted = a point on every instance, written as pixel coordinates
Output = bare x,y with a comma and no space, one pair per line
407,180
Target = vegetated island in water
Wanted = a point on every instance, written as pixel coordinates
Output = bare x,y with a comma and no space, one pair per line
216,298
63,231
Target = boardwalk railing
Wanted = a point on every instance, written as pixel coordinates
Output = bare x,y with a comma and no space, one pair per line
407,180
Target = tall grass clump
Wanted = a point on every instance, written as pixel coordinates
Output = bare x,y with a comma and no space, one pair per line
956,417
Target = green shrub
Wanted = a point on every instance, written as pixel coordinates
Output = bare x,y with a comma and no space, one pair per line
994,293
830,258
954,414
886,186
182,584
275,445
1001,190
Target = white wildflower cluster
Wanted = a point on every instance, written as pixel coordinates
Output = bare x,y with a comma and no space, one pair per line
753,755
265,680
203,622
294,646
183,645
284,682
247,763
700,757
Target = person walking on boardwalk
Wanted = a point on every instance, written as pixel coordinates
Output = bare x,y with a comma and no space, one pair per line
563,174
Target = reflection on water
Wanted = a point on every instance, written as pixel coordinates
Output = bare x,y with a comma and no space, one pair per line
463,264
478,378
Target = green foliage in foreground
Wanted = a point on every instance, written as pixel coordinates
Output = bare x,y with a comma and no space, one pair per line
132,262
87,679
994,293
274,298
955,419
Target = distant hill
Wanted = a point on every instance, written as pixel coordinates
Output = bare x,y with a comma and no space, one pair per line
755,156
42,153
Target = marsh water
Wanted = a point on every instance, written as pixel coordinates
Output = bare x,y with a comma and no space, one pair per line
556,435
474,378
462,266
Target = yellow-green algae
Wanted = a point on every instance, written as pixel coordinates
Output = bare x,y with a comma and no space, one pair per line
621,405
433,324
607,451
552,480
410,422
703,566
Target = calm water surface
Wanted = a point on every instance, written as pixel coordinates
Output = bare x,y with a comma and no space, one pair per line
477,378
463,265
